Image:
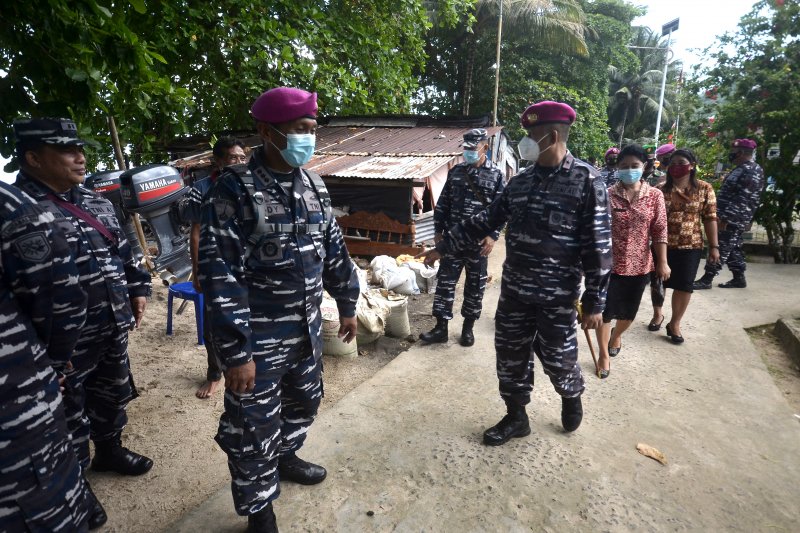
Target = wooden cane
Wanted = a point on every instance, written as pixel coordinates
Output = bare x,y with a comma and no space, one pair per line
579,307
591,349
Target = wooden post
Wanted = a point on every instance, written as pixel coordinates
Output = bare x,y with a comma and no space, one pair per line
112,126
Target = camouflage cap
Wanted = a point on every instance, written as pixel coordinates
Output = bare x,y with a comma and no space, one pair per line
473,137
55,131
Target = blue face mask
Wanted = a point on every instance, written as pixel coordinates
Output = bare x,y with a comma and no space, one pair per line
471,156
629,176
299,148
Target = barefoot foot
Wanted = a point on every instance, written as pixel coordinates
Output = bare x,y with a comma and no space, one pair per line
207,389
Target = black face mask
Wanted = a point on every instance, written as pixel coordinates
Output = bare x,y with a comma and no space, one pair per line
732,156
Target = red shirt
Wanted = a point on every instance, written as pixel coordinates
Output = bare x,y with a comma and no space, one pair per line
634,226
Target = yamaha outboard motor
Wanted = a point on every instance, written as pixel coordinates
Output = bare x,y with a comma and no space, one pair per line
154,191
107,185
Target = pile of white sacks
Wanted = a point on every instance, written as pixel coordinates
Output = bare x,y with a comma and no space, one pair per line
382,307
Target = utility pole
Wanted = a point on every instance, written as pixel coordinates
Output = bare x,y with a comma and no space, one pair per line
667,30
497,61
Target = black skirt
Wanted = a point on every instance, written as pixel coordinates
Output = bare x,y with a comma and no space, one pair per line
684,265
624,296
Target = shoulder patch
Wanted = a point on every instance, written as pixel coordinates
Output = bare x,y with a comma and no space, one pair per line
601,193
225,209
33,247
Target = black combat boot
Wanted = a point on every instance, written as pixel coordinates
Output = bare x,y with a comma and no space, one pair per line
467,338
97,515
571,413
704,282
292,468
514,424
111,455
263,521
438,333
738,282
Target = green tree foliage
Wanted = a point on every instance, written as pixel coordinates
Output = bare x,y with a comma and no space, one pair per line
81,59
462,55
753,91
532,70
167,68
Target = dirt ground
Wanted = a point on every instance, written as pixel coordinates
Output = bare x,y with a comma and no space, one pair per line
170,425
781,367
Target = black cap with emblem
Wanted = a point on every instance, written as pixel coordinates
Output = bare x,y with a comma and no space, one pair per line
33,132
473,137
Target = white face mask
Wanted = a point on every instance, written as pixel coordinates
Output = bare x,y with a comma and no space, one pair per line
529,149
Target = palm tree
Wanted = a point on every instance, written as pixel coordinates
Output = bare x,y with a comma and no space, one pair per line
634,96
558,24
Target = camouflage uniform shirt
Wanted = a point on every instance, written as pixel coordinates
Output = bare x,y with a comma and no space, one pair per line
738,198
558,231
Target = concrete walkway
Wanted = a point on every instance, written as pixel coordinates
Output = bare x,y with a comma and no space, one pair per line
404,453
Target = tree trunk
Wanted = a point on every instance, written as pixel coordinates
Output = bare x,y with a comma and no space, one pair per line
622,131
112,126
468,74
120,156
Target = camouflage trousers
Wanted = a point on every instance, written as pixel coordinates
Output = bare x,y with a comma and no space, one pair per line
450,268
43,491
259,427
523,329
730,252
98,388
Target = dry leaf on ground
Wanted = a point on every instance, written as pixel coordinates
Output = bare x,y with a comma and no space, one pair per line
649,451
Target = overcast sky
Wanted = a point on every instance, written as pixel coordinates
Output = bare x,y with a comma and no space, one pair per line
701,22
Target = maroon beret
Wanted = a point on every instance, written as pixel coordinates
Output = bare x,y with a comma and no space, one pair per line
547,112
745,144
284,104
612,151
665,149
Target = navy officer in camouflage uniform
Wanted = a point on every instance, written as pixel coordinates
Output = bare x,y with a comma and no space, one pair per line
227,151
99,385
43,308
269,245
470,187
737,201
609,172
558,231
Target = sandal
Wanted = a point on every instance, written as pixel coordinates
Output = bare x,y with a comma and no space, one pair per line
613,352
603,374
655,327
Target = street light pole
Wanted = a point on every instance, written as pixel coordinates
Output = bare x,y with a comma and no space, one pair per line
667,30
497,60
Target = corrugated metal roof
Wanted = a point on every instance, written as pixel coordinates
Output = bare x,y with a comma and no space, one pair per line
417,141
375,152
380,167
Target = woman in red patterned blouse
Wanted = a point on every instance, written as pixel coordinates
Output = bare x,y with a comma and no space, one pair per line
638,217
690,202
